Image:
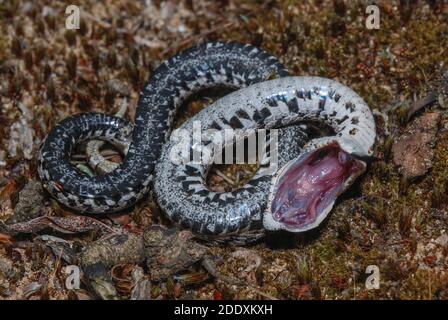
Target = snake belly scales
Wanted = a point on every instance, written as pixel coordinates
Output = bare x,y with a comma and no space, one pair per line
296,197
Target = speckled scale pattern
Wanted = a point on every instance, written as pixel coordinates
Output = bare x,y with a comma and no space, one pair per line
207,65
270,104
224,216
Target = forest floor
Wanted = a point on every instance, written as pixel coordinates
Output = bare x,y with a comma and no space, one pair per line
395,217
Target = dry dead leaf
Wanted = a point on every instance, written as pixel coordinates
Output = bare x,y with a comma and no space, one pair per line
5,239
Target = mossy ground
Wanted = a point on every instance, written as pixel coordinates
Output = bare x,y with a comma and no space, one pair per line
399,226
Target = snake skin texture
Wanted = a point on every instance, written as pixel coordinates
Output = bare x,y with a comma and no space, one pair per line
208,65
93,148
181,189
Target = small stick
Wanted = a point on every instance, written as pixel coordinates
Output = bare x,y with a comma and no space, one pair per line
223,176
106,154
420,104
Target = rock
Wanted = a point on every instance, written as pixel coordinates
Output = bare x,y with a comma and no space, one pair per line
165,252
169,251
99,256
31,201
413,150
119,249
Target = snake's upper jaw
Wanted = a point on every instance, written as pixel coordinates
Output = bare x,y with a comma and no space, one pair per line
304,190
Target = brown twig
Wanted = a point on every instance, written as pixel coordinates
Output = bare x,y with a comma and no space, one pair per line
220,174
420,104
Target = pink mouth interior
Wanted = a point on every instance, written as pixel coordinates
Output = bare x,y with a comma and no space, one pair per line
311,184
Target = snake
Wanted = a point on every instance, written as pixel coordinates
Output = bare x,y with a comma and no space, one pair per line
209,65
296,196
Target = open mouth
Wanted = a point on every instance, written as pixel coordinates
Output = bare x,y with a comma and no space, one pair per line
306,189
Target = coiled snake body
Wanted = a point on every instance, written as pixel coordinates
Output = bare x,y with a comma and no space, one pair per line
325,168
208,65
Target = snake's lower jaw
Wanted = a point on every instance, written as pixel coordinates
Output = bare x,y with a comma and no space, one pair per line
304,191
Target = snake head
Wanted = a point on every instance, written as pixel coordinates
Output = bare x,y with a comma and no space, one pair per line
305,189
